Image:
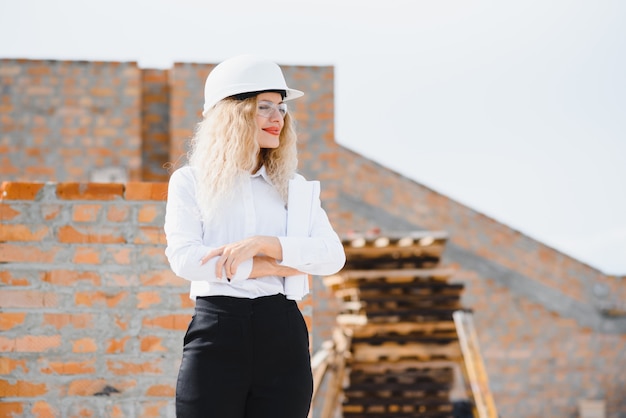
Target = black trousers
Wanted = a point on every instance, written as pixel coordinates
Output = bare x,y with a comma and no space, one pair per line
245,358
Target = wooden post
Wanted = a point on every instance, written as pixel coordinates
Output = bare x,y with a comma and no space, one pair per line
474,366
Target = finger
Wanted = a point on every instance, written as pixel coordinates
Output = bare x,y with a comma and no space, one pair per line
232,268
213,253
220,266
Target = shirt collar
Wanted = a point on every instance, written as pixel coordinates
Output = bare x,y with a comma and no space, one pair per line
262,173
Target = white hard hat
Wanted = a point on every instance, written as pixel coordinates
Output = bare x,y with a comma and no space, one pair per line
244,74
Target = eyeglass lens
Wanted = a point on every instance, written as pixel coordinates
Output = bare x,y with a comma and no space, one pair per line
266,109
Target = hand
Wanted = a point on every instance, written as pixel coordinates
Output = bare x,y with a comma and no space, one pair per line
233,254
267,266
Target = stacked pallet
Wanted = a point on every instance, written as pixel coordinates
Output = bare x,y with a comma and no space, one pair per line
397,318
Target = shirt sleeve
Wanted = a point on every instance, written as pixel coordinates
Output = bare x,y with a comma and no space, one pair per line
320,254
183,233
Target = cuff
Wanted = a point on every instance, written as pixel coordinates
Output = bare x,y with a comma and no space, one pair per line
291,251
243,271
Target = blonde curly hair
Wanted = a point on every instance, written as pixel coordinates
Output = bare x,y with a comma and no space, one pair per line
224,151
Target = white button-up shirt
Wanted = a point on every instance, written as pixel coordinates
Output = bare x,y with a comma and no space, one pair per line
256,209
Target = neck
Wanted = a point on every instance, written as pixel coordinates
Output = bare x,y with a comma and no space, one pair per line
259,161
259,164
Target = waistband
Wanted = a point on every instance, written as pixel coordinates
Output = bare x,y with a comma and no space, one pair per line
244,306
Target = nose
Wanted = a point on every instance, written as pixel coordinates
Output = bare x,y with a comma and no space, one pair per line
276,115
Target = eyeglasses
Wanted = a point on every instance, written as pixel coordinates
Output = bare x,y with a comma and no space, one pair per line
266,109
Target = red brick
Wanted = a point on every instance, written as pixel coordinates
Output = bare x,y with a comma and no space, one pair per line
118,213
71,277
185,301
86,255
146,191
99,298
121,324
154,409
147,213
43,409
86,212
151,343
8,278
89,191
115,411
30,343
38,70
104,131
147,299
154,76
8,365
50,211
166,391
177,322
10,320
62,320
23,233
27,299
7,212
69,367
8,168
123,279
122,368
27,253
84,345
11,409
152,255
150,235
20,190
102,92
117,345
86,387
90,235
120,255
161,278
39,172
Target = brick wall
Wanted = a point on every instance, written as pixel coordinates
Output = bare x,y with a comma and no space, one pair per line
92,318
155,124
535,308
541,363
68,120
544,338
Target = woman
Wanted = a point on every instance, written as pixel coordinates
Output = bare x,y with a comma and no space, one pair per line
246,351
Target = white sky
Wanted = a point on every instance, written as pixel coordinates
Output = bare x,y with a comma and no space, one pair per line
516,109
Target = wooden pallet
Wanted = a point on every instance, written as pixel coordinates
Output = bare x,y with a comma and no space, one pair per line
404,357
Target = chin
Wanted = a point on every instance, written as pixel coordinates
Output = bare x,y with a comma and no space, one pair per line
269,144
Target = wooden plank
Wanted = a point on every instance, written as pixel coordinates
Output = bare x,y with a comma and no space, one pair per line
406,292
424,385
355,289
348,414
404,377
389,275
401,366
402,339
364,398
397,235
417,286
395,352
404,328
438,414
408,300
474,365
397,253
417,314
351,320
